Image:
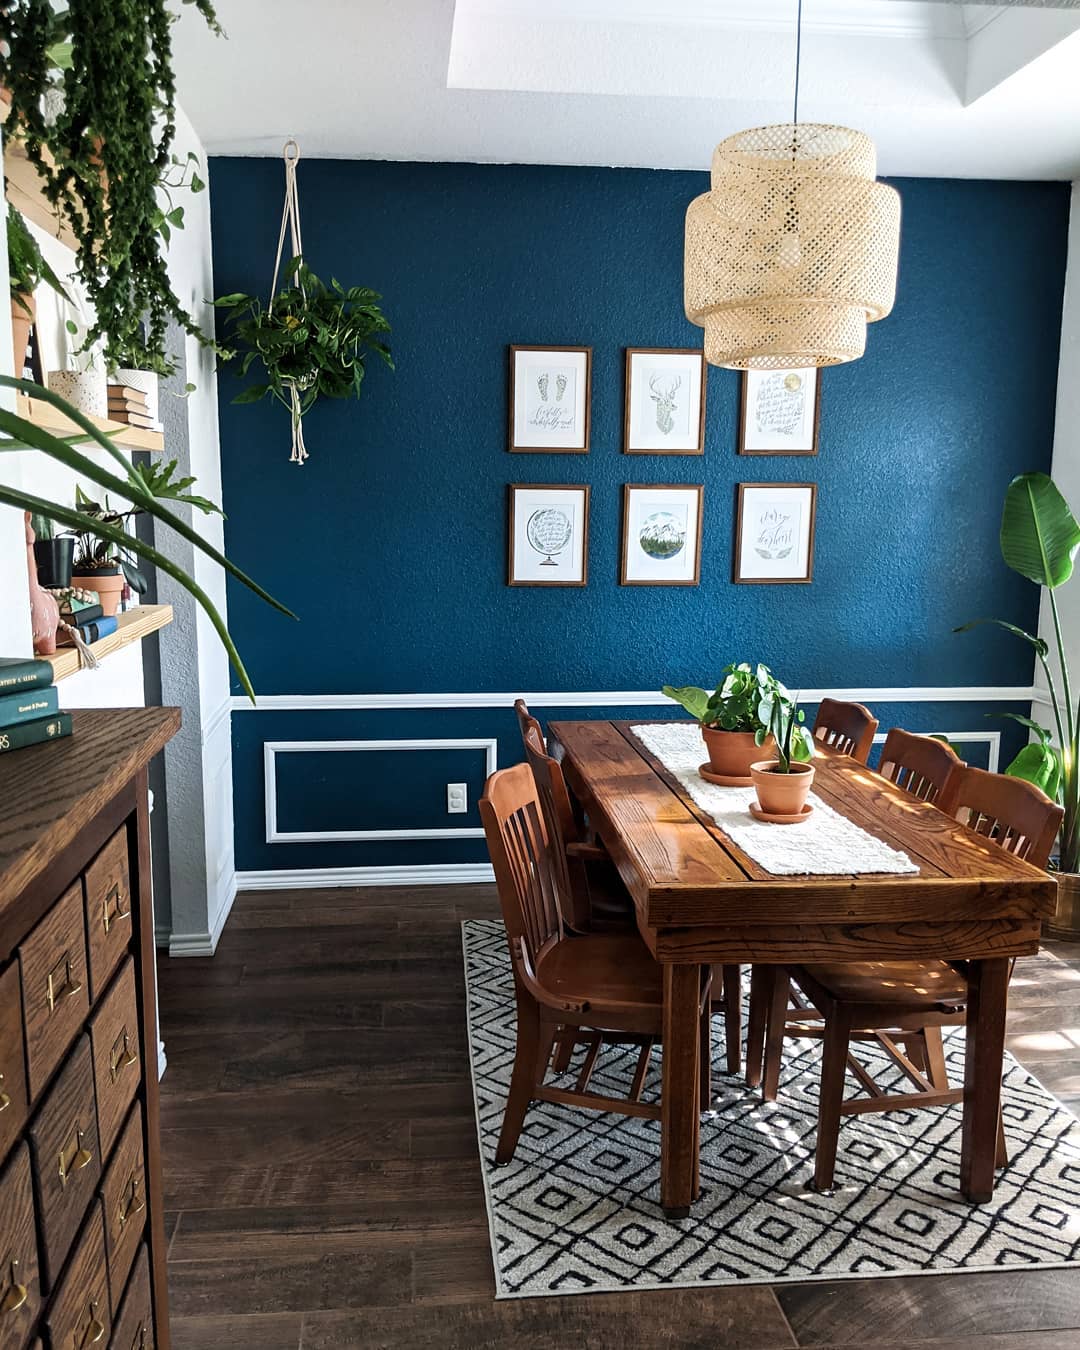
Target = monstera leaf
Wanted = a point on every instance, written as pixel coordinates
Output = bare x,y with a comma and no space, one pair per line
1039,534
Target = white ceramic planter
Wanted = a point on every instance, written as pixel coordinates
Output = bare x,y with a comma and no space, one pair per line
146,381
84,389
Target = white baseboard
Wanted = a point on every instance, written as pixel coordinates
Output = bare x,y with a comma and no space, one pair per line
307,878
205,944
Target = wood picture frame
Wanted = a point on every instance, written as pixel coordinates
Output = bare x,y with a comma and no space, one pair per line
546,415
537,539
654,516
796,501
676,424
758,439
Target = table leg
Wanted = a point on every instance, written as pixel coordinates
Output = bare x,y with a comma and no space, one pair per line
680,1108
988,983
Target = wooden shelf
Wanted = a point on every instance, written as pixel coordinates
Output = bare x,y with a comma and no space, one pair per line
131,627
24,191
51,419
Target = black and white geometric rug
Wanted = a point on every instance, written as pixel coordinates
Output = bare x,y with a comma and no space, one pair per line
577,1211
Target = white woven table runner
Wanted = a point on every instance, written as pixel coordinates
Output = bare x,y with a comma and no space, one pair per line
825,843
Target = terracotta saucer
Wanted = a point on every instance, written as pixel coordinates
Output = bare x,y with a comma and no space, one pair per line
759,814
722,779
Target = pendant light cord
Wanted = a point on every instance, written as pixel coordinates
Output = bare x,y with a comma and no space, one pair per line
798,53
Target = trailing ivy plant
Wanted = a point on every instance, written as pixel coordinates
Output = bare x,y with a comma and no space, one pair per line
27,267
104,154
310,338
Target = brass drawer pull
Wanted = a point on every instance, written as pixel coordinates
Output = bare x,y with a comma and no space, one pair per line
5,1100
131,1202
112,907
16,1293
61,985
94,1332
121,1056
80,1157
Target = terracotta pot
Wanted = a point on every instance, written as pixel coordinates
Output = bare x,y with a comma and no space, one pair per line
732,752
23,317
781,794
109,587
1066,921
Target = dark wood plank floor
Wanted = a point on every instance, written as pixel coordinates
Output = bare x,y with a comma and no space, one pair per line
322,1177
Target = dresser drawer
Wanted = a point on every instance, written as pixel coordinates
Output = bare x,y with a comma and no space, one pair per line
108,911
114,1035
20,1287
79,1316
123,1199
66,1157
13,1103
134,1323
52,964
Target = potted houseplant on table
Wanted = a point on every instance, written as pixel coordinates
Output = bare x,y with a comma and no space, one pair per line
783,784
734,719
27,269
1039,539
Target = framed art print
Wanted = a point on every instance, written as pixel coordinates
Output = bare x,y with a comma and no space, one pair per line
661,542
780,412
550,399
549,535
774,532
664,412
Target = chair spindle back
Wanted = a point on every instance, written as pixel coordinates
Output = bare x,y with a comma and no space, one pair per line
847,727
919,764
1015,814
561,826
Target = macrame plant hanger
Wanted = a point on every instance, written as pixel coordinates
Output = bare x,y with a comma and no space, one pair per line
290,219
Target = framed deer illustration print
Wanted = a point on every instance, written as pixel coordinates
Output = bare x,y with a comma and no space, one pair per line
664,412
549,399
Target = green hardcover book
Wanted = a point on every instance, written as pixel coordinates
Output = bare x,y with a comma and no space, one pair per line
36,731
27,705
24,672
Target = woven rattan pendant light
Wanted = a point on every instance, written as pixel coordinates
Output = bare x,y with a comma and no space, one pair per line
794,249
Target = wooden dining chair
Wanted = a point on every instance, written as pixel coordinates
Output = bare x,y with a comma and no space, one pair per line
921,765
604,984
847,727
900,1005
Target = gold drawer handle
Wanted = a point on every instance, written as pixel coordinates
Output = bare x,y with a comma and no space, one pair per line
94,1332
121,1056
66,986
131,1204
109,914
80,1157
5,1100
16,1293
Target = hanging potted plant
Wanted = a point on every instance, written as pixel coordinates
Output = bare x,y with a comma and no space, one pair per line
732,723
1039,539
783,783
27,269
309,341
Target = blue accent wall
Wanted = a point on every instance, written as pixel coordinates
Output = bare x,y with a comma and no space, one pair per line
391,541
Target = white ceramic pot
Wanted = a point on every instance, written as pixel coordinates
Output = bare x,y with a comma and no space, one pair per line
145,381
84,389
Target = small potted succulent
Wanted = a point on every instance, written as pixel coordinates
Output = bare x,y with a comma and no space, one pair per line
52,553
734,718
783,783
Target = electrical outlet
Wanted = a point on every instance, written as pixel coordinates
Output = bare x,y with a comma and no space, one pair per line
457,798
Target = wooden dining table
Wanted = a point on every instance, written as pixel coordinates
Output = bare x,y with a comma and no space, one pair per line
699,899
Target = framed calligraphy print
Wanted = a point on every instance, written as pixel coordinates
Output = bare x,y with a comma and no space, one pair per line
550,399
780,412
774,532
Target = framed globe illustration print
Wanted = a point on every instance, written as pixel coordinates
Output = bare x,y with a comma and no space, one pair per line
548,535
549,399
774,532
780,412
661,542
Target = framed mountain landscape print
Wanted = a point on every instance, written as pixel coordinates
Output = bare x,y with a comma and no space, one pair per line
548,535
780,412
664,413
549,399
661,543
774,532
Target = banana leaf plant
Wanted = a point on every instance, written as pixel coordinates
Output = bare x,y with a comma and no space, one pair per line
146,491
1039,539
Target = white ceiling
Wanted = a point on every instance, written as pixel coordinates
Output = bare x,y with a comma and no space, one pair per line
945,89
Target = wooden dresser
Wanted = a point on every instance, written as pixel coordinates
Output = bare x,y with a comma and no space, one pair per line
82,1235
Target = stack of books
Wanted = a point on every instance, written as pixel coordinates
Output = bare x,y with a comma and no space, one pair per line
29,707
87,617
130,406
